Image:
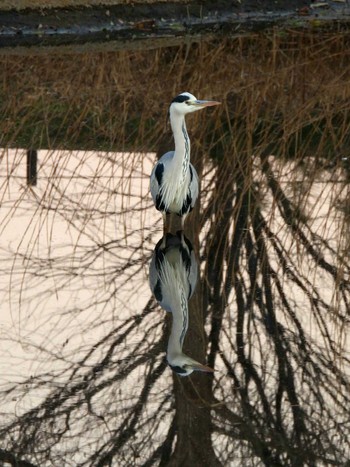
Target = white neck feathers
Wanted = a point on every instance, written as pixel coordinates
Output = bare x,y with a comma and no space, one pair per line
177,178
175,282
181,158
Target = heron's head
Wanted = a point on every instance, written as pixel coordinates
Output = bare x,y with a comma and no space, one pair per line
184,365
186,103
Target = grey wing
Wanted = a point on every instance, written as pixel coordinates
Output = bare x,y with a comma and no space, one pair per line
157,174
156,284
154,184
194,186
153,273
193,274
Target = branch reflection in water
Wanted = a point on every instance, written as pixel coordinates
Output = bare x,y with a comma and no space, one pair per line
173,278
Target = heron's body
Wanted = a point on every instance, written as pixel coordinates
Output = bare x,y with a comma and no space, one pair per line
174,180
173,272
173,277
174,191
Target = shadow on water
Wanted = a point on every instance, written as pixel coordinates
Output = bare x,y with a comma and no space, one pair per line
85,379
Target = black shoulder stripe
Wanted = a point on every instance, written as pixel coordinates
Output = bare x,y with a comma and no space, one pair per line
159,255
189,291
191,173
159,173
158,292
185,258
160,206
186,207
189,245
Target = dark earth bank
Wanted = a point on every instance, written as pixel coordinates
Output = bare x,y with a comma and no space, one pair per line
132,24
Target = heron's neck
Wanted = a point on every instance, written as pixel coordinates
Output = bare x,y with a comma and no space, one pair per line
181,157
179,324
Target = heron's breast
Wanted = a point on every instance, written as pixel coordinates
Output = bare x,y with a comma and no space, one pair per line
175,190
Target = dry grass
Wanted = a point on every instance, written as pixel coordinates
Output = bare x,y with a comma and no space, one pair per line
279,92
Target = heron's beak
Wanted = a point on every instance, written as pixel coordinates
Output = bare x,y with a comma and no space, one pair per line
201,104
199,367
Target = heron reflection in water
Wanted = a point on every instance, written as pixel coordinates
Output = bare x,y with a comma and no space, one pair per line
173,278
174,180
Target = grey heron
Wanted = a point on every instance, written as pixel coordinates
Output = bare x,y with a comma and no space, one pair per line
173,278
174,180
